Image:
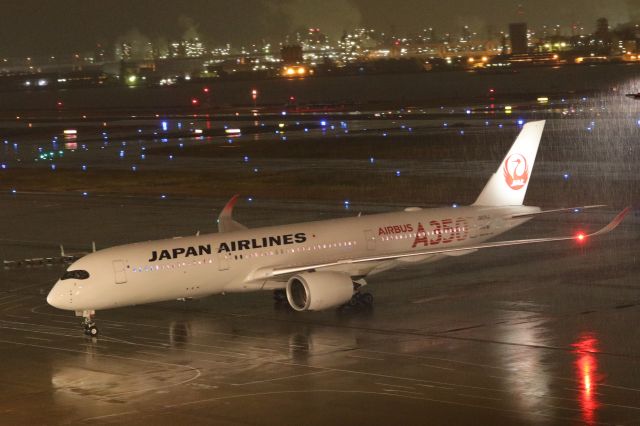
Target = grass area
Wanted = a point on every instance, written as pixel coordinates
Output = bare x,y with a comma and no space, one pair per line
317,178
395,146
293,184
300,184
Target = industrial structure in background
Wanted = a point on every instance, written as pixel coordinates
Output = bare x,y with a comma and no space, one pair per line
357,52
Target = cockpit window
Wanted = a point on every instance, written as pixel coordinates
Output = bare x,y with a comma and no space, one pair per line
77,275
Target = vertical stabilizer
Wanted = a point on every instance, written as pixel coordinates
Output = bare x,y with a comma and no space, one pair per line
508,185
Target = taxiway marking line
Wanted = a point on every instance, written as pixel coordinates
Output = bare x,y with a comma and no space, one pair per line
280,378
37,338
365,357
19,299
109,416
437,366
386,394
394,386
479,397
16,316
196,375
392,392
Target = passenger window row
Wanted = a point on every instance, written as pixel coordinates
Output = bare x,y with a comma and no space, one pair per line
169,266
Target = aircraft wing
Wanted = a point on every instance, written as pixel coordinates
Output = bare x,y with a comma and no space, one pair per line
567,209
64,258
275,272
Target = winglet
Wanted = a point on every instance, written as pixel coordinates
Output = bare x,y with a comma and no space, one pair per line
225,219
614,223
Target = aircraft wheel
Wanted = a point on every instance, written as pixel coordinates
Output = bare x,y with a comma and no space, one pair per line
355,300
280,295
367,299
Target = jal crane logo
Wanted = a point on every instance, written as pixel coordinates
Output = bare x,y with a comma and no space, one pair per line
516,171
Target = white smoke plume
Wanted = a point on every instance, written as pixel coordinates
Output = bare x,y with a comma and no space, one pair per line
332,17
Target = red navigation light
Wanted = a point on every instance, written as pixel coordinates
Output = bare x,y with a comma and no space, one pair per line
581,237
205,90
195,101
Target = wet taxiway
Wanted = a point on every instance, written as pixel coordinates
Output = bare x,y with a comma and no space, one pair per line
526,335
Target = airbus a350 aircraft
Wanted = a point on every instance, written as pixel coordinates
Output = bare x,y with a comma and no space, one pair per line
318,265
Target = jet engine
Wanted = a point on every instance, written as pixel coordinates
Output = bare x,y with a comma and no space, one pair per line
315,291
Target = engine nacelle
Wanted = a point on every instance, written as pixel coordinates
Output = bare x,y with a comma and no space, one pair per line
315,291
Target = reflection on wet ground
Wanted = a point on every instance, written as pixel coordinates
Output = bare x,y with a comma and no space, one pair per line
588,376
530,335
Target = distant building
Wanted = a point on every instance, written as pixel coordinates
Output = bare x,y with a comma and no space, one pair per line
194,48
124,50
291,55
602,29
518,36
315,37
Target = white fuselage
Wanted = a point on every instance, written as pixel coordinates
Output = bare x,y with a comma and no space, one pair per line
203,265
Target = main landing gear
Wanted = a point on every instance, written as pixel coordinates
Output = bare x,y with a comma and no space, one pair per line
280,301
280,296
88,323
360,301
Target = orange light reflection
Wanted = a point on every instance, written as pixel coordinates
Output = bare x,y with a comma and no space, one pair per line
587,371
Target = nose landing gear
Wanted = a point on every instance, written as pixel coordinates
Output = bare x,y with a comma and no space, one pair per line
89,325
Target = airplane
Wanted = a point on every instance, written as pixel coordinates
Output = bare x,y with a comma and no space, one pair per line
64,258
315,265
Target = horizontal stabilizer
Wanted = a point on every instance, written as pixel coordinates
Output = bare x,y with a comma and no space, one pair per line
564,210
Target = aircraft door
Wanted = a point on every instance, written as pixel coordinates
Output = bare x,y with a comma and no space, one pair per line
120,271
223,261
370,238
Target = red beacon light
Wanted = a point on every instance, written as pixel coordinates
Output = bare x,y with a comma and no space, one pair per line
195,101
205,89
581,237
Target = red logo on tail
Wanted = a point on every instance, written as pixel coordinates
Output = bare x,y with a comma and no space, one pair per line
516,171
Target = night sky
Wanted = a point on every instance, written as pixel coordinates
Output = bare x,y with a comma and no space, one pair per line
40,27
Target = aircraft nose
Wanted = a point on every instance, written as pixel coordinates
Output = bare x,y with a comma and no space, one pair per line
59,297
